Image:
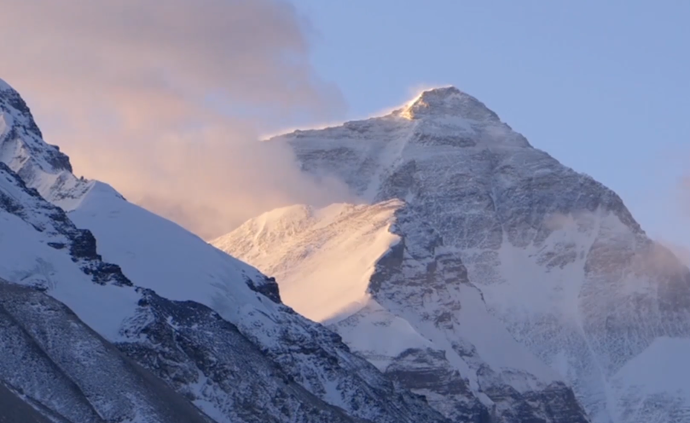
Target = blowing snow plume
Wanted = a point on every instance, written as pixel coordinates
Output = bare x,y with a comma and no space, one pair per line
165,103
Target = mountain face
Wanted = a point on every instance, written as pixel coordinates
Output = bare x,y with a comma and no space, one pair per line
113,314
484,274
52,360
404,303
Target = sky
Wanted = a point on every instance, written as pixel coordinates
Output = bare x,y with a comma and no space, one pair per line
166,103
602,86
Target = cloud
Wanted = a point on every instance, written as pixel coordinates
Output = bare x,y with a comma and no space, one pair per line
165,103
674,252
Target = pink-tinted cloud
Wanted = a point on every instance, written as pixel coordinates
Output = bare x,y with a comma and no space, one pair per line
164,100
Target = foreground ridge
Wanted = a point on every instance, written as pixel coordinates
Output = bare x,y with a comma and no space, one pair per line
184,332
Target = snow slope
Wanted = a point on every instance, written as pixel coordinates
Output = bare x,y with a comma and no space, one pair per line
323,258
206,324
35,248
57,364
557,258
135,238
656,380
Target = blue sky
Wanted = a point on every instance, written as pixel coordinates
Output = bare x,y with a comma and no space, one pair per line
602,86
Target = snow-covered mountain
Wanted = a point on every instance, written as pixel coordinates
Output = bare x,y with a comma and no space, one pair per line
480,271
176,331
405,304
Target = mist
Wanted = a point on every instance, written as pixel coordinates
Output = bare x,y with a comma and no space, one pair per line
167,103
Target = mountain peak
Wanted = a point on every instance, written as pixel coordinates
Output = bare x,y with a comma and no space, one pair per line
22,148
447,101
13,109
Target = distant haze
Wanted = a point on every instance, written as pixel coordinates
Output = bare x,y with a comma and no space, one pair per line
165,103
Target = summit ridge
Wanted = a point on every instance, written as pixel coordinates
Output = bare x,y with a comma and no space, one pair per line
447,101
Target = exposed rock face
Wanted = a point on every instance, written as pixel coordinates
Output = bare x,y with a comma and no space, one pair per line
61,369
14,409
554,255
209,361
420,278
